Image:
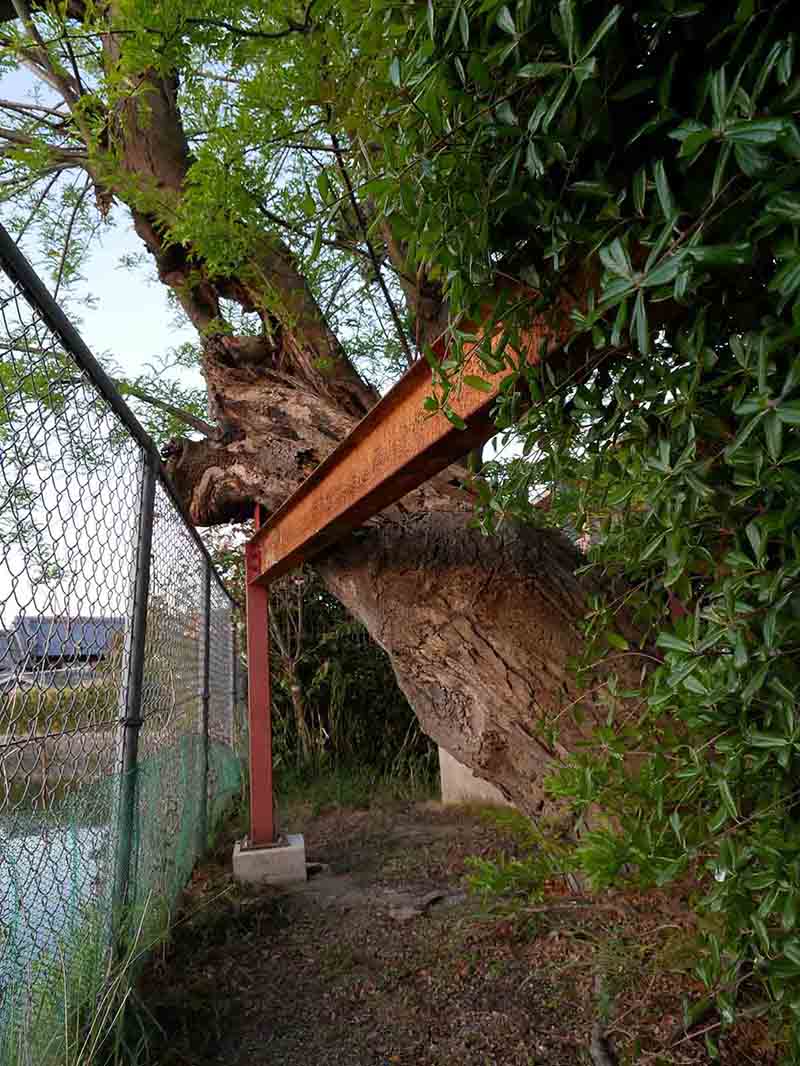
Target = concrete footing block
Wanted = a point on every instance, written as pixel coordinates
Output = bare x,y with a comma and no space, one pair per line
283,863
460,785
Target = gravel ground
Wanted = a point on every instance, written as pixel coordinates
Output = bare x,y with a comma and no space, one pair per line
384,958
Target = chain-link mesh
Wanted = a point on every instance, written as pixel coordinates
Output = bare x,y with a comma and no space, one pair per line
74,537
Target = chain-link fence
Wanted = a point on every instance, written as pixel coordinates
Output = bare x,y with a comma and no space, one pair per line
119,713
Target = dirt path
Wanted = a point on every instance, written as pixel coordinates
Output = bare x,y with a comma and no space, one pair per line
383,958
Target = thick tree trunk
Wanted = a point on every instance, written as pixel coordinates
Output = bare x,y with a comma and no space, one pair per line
480,631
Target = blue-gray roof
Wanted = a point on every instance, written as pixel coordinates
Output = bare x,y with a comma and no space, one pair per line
8,650
46,637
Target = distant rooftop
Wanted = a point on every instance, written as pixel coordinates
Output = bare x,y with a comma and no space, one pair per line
45,637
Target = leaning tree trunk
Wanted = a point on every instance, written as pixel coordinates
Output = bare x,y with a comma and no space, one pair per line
480,631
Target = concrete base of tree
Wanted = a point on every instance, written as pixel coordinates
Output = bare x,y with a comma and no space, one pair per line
460,785
283,863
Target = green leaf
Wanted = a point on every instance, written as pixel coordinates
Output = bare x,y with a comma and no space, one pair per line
753,686
616,640
787,280
727,797
506,114
773,432
654,544
761,930
744,434
556,102
607,24
694,684
593,190
755,131
475,382
455,419
719,170
789,413
665,271
541,70
568,22
316,244
324,187
431,20
533,161
731,255
754,535
673,643
640,324
394,72
693,144
505,20
663,190
451,25
587,68
639,190
463,26
614,258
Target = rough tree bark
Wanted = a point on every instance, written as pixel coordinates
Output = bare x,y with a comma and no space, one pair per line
480,630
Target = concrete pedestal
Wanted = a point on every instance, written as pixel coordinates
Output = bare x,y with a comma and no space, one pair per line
460,785
283,863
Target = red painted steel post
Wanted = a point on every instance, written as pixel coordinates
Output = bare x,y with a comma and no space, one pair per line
262,820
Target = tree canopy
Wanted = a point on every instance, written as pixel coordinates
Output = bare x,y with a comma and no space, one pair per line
453,169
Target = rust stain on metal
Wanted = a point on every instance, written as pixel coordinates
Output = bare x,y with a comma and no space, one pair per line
395,448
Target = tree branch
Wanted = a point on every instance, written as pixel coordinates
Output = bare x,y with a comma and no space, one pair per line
291,227
259,35
31,109
27,141
68,235
69,90
35,210
127,389
401,333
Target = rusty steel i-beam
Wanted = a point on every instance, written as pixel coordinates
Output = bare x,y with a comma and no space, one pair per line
395,448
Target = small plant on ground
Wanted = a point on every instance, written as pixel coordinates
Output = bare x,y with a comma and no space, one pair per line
543,856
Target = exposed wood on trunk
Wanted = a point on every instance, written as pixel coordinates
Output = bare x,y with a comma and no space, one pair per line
481,632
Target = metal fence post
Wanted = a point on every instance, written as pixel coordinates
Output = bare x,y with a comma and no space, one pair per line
205,695
133,662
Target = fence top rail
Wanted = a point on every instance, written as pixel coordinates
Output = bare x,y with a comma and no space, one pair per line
22,274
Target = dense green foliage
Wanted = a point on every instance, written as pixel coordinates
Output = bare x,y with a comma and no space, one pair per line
36,711
335,699
665,143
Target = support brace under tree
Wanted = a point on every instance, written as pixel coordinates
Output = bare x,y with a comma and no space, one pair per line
394,449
